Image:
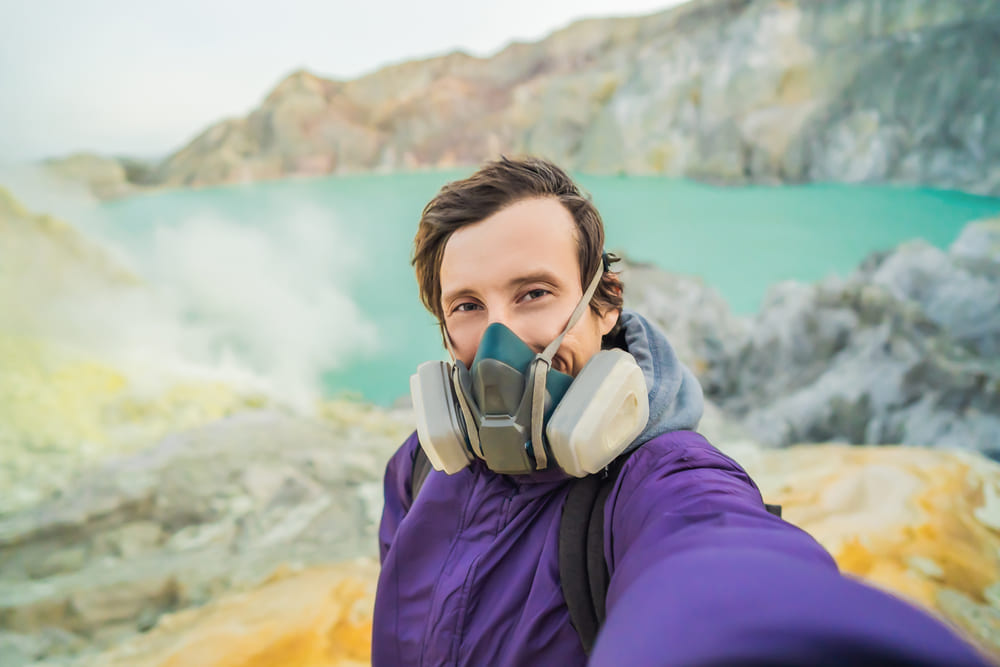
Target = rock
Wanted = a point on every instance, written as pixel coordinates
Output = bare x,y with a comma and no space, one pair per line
902,518
106,178
950,290
130,540
696,319
69,393
58,562
61,410
208,510
100,609
907,519
722,90
979,243
19,649
902,351
319,616
51,257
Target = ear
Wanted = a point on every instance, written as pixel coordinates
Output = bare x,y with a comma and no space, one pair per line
609,319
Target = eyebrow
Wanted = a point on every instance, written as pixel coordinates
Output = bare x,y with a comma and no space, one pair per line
540,276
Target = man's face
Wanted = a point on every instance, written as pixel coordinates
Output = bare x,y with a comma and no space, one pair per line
519,267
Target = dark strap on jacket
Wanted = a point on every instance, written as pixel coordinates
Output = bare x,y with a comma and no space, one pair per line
583,572
421,468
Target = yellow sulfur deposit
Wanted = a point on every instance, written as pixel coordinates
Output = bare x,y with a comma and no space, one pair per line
63,405
910,520
62,411
319,617
922,523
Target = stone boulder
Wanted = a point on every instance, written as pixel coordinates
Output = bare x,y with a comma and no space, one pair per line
316,617
922,523
695,318
957,290
902,351
208,510
104,177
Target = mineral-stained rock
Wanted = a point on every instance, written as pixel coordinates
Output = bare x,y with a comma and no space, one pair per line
63,403
61,407
105,177
724,90
49,256
696,319
904,350
205,511
912,520
318,617
918,522
62,410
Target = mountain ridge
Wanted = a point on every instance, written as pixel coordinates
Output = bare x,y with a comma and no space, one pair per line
725,91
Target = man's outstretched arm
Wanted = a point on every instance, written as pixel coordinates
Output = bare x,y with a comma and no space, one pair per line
703,575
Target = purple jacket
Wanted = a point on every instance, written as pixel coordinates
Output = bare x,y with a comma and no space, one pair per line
701,573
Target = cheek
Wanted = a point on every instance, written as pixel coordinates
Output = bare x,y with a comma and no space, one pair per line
465,338
536,332
586,341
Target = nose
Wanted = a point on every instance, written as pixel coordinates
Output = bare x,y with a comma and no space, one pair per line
498,315
520,326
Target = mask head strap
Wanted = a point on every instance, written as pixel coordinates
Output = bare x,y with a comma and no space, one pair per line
543,361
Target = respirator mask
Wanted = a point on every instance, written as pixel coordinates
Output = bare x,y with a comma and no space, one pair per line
511,410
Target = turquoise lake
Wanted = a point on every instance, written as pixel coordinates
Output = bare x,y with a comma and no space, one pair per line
739,239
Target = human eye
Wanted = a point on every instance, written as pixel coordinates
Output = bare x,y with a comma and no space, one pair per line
534,294
466,307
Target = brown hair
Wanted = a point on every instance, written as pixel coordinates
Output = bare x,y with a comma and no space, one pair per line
495,186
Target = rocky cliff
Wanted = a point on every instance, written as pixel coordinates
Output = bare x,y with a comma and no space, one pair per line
904,350
729,91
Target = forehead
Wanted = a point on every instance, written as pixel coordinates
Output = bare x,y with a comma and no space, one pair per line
526,237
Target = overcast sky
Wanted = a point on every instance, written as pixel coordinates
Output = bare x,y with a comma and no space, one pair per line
143,77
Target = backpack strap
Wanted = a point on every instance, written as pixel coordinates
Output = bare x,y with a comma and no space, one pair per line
583,572
421,468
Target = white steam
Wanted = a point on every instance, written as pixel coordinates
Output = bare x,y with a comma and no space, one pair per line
273,298
264,305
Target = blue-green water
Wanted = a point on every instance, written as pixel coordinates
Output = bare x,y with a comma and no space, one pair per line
740,240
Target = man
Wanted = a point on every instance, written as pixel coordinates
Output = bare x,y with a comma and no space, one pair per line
700,572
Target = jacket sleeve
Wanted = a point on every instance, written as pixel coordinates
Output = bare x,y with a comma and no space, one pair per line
701,574
397,493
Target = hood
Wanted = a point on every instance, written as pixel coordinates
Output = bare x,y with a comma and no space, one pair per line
675,397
